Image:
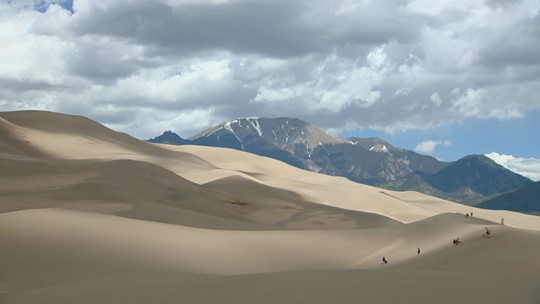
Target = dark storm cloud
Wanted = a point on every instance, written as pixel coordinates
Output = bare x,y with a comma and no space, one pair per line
17,86
259,27
187,64
516,44
502,3
100,63
271,28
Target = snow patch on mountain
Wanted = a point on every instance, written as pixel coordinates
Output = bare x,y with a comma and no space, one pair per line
212,132
230,129
381,148
255,123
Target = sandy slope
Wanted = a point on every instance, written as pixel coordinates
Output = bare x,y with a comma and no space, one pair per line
77,138
64,254
89,215
337,191
78,161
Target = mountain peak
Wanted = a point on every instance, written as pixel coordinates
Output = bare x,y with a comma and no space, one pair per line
168,137
479,159
283,132
374,144
478,173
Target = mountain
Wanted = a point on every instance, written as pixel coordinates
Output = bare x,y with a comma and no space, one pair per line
290,140
526,199
303,145
371,161
477,172
469,180
170,138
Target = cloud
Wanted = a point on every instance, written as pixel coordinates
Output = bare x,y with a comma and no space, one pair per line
436,99
528,167
340,65
429,146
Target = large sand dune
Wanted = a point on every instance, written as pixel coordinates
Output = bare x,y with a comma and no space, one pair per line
89,215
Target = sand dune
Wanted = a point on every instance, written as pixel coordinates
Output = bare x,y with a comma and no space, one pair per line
338,192
287,209
77,138
90,215
64,250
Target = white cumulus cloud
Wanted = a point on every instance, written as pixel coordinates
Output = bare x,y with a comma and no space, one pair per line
380,65
428,146
528,167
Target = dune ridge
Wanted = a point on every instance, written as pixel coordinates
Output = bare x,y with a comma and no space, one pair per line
91,215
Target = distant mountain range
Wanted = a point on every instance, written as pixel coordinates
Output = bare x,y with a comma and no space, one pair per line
526,199
371,161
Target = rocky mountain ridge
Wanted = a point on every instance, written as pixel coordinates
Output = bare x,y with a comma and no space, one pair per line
371,161
525,199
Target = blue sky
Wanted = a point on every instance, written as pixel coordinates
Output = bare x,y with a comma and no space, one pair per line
43,5
444,78
473,136
512,143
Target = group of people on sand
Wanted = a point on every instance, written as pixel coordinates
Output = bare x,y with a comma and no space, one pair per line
385,261
456,241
